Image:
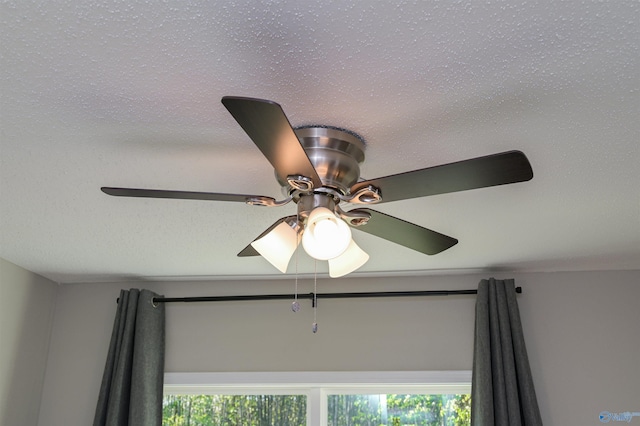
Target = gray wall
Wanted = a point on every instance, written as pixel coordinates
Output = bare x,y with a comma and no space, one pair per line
26,316
581,330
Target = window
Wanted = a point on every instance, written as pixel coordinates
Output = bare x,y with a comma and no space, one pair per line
208,410
318,399
399,409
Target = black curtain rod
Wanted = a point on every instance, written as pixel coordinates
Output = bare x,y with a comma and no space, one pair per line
315,296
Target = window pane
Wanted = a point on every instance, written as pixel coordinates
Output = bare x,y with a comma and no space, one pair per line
244,410
397,410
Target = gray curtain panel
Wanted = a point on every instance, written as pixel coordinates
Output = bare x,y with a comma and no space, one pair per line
502,392
131,390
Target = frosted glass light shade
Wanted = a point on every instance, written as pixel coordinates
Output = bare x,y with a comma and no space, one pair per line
353,258
278,246
326,236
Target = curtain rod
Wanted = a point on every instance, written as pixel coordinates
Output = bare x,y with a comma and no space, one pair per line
315,296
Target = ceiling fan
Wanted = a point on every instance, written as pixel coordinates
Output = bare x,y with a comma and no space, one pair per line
318,169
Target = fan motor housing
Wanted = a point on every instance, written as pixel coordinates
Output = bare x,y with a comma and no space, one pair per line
335,153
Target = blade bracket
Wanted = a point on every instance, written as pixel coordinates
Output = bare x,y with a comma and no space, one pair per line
267,201
300,183
353,217
365,195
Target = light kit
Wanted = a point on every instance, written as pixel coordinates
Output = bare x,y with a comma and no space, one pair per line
324,235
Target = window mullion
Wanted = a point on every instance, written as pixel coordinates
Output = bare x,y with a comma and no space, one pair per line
316,407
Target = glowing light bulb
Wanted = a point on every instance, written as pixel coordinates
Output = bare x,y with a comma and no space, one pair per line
325,231
326,236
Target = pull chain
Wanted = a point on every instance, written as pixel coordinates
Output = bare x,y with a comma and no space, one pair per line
295,306
314,326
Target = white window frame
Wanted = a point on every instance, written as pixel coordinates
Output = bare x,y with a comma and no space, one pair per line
316,386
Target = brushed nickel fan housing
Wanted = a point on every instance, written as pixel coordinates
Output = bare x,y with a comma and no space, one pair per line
336,155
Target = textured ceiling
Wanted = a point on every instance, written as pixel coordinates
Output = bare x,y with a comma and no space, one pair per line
127,93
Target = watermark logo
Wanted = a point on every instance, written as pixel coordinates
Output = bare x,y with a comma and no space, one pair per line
627,416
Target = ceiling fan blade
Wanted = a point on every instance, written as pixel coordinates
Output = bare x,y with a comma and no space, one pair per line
405,233
250,251
491,170
181,195
268,127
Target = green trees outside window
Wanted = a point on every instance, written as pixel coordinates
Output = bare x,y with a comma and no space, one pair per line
399,410
291,410
234,410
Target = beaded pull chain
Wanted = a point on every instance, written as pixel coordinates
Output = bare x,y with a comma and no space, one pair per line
314,326
295,306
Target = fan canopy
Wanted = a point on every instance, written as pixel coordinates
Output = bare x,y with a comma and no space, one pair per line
335,154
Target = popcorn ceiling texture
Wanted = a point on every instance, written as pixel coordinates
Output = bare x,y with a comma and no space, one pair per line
127,93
